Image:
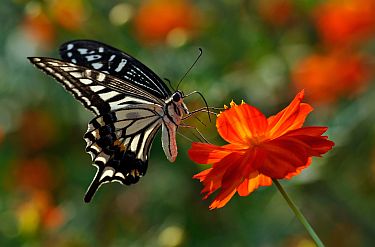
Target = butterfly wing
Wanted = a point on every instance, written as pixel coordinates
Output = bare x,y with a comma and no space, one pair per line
107,59
97,91
120,137
119,143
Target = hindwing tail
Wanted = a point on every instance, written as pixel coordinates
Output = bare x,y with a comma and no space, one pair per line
119,143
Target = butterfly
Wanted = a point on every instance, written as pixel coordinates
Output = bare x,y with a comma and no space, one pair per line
130,102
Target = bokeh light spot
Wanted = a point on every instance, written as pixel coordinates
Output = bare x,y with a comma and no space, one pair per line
121,14
171,236
177,37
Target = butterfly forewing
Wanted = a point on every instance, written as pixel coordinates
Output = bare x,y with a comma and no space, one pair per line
107,59
97,91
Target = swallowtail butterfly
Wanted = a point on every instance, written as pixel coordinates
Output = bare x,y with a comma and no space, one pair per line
131,104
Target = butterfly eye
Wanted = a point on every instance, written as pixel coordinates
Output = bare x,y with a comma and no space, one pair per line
176,96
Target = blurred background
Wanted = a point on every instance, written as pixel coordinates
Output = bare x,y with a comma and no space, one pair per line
261,51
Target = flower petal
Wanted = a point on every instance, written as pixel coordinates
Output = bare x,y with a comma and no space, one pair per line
220,202
212,177
204,153
299,169
288,154
211,184
252,183
241,123
292,117
234,180
312,136
239,167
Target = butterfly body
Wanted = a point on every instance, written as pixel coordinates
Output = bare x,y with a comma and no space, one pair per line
174,110
130,102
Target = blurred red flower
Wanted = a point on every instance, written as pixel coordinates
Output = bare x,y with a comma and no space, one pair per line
39,28
156,19
333,75
260,149
276,12
70,14
343,22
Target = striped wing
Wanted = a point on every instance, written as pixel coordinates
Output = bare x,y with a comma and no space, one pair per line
119,138
119,143
104,58
97,91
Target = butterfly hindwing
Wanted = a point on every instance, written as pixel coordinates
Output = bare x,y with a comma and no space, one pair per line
119,143
107,59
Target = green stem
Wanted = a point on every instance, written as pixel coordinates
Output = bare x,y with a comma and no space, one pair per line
298,214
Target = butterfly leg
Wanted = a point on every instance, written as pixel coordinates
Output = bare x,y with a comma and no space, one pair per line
203,109
196,129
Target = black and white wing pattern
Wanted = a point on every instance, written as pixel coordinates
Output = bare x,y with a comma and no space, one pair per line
119,143
101,57
128,117
131,104
97,91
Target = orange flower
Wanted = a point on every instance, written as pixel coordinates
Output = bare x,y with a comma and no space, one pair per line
260,149
1,135
33,174
70,14
157,19
276,12
39,28
37,130
330,76
38,211
342,22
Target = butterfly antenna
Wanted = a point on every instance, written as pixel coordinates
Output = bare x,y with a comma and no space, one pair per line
205,102
169,83
187,72
204,109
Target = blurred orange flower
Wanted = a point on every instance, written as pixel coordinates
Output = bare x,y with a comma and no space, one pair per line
276,12
328,77
1,135
343,22
260,149
70,14
37,130
156,19
33,174
38,211
39,28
